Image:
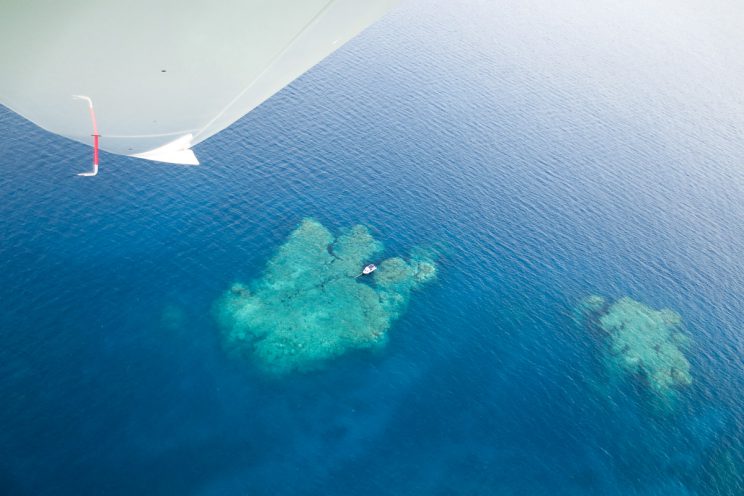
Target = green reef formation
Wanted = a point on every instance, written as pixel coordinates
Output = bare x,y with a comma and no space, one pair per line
722,472
312,304
641,342
172,318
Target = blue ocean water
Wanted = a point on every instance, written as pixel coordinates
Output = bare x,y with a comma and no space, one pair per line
549,151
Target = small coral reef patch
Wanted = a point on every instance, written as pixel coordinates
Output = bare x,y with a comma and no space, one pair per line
172,318
723,469
641,343
312,304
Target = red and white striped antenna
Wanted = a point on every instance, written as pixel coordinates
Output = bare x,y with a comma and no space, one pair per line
95,135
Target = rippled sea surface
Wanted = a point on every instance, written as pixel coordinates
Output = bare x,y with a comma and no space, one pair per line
550,150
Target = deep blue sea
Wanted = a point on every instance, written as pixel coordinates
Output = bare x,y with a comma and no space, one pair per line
550,150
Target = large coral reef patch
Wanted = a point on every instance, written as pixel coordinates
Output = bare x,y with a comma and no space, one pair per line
641,343
311,306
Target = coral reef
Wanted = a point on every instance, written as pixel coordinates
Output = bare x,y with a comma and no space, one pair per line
310,305
721,473
172,317
641,342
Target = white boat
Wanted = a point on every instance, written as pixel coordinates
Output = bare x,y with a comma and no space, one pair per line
369,269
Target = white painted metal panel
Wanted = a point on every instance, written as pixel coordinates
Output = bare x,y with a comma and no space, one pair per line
163,74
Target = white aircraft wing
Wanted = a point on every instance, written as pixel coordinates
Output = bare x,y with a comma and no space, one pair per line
163,74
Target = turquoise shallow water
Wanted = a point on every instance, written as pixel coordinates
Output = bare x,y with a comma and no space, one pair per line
550,152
